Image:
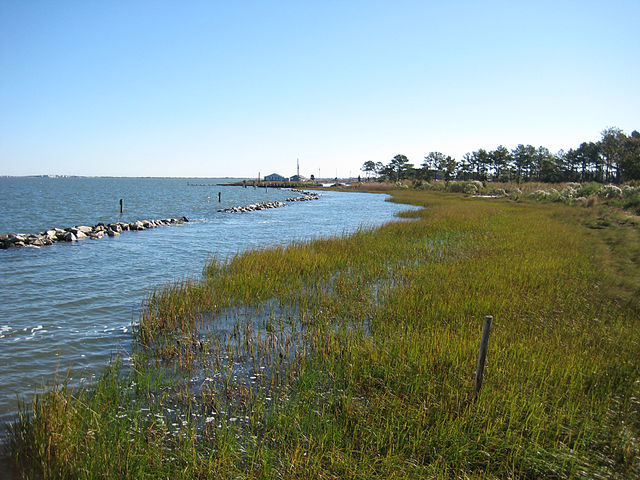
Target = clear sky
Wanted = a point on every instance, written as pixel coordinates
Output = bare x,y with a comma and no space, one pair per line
230,88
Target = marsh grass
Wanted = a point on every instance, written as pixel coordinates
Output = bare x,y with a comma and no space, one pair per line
354,357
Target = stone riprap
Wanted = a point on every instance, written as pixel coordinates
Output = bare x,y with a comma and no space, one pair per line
253,207
266,205
306,196
79,232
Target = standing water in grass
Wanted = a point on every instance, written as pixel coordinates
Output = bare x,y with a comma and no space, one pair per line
70,305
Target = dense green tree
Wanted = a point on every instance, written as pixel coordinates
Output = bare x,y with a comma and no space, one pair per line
545,165
433,159
612,146
447,166
500,161
630,157
466,166
523,161
588,156
400,165
388,172
572,162
482,161
616,157
369,167
398,169
431,162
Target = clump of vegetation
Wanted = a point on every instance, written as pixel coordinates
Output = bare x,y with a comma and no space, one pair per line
631,199
354,357
615,158
590,194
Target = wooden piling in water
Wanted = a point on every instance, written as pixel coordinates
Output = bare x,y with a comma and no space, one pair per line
482,355
121,205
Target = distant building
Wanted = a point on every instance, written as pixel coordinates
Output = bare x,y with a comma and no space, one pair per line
274,177
297,177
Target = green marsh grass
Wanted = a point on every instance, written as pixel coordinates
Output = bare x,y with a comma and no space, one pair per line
354,357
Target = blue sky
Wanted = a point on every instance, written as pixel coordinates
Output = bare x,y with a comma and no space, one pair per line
152,88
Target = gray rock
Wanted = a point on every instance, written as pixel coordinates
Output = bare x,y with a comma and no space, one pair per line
68,237
16,237
72,234
35,240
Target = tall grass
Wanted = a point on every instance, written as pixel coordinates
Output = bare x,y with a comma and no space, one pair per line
354,357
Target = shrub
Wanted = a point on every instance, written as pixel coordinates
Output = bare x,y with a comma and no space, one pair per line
588,190
610,191
539,195
457,187
438,186
551,195
632,201
471,188
554,195
570,191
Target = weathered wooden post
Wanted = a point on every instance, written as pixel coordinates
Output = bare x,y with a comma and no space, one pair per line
482,356
121,205
219,197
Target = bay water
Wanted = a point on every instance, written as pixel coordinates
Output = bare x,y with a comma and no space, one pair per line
66,309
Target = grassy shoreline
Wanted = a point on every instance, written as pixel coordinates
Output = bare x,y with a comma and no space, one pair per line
353,357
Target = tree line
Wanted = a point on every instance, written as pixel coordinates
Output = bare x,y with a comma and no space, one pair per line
614,159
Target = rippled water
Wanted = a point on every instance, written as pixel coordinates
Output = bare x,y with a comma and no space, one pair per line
71,305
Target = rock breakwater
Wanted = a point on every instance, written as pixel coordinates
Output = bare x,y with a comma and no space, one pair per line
253,207
306,196
79,232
